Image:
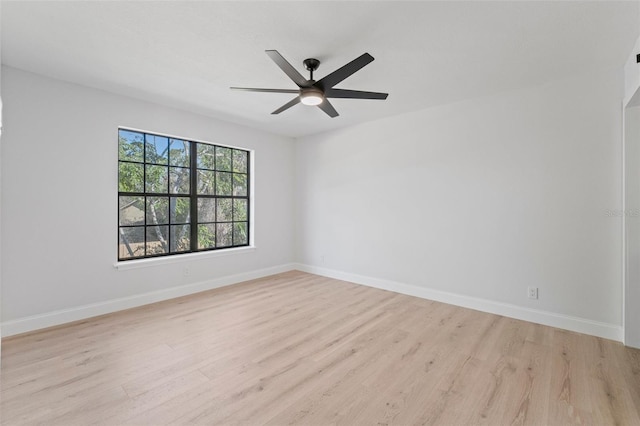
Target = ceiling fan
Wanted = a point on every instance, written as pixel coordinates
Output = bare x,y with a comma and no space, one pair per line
311,92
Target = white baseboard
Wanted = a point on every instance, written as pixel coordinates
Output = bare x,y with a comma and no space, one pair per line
566,322
50,319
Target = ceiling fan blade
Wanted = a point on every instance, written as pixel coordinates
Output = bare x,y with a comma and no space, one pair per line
328,108
354,94
252,89
287,68
341,73
288,105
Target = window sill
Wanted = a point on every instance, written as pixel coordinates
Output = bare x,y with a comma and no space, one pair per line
166,260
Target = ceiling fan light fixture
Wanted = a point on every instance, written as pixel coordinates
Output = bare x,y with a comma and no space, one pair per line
312,97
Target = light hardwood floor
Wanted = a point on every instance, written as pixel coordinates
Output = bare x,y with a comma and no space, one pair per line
297,348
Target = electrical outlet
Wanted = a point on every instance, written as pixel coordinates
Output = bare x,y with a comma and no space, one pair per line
322,259
186,271
532,292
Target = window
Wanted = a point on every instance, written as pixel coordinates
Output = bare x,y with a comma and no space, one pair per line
178,196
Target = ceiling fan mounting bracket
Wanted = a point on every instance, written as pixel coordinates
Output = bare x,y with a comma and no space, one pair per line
311,64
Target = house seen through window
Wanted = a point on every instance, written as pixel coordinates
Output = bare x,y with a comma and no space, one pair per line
179,196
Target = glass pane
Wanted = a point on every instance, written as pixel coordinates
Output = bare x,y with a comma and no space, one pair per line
223,183
206,182
157,210
178,180
206,210
239,185
157,149
206,156
131,242
130,177
240,161
180,238
240,236
130,145
131,210
157,237
178,152
223,159
180,209
223,208
206,236
239,210
157,179
223,235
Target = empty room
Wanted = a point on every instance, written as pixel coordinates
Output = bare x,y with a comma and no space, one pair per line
319,213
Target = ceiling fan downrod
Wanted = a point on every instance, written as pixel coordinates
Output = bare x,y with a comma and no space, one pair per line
311,64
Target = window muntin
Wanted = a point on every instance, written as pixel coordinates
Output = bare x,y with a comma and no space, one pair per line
178,196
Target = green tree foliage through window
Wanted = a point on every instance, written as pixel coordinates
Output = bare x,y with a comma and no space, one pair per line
178,196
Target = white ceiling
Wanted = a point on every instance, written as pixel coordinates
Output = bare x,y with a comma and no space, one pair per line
187,54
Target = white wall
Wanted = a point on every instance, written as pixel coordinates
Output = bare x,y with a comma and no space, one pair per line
0,196
59,196
480,198
632,226
632,74
632,198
